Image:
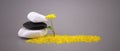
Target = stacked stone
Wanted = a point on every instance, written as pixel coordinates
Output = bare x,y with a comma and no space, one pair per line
35,27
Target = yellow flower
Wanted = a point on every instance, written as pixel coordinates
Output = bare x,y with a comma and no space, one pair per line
50,16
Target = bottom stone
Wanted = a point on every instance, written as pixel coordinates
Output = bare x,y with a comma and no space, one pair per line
26,33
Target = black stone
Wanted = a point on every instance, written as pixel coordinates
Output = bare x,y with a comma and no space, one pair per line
35,26
25,38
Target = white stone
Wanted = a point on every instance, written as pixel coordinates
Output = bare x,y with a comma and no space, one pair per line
26,33
36,17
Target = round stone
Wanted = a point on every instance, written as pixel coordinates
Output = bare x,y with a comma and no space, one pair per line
26,33
35,26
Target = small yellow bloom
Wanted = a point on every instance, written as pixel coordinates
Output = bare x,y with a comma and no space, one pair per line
50,16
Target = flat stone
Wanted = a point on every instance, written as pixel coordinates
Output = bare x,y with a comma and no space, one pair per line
35,26
26,33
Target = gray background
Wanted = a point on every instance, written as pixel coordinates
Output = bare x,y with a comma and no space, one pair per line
91,17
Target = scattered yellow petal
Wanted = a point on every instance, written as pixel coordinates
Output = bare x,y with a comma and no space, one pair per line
60,39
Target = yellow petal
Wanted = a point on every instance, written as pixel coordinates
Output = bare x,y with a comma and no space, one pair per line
60,39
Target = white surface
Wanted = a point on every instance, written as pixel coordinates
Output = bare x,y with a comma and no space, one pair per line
23,32
36,17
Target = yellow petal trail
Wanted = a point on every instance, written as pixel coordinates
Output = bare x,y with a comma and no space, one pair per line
61,39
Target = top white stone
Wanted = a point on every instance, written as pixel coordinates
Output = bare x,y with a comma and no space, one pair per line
36,17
